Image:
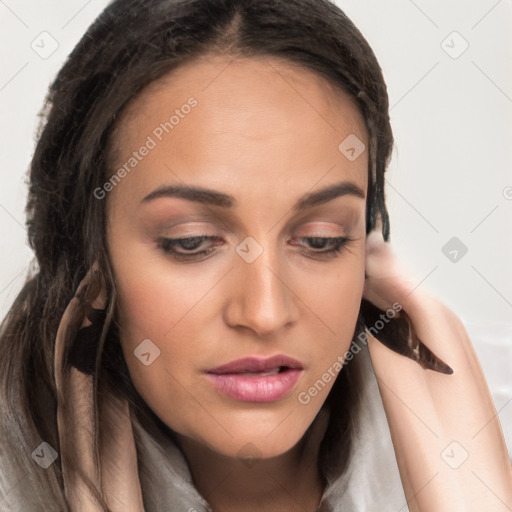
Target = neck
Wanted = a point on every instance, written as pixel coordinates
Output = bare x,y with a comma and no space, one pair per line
288,481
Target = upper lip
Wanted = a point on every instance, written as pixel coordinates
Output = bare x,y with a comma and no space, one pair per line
257,364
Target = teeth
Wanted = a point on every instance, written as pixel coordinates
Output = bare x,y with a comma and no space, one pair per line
272,371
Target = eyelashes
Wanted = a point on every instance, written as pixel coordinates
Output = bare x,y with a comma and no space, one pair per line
170,246
185,249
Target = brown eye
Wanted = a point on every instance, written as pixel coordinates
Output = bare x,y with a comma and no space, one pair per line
172,245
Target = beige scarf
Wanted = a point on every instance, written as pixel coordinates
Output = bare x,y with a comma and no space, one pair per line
110,474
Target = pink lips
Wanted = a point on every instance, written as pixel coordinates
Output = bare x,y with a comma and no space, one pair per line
254,379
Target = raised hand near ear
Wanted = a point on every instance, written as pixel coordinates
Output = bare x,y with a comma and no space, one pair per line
448,441
386,282
97,444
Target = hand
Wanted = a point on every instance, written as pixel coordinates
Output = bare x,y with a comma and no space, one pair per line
445,430
387,280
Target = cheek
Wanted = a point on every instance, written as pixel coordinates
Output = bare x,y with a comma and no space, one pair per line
151,306
164,306
160,309
154,296
335,296
336,303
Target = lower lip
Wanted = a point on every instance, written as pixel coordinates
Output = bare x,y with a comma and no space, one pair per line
255,388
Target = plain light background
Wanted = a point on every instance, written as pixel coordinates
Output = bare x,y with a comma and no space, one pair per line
448,69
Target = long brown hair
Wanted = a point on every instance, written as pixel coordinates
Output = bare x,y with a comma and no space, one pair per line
132,43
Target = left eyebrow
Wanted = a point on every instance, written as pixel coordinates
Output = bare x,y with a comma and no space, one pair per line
222,200
327,194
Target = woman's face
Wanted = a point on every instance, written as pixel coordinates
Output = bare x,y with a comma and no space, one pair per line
260,138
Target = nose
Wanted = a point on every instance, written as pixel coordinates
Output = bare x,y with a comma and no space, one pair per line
261,297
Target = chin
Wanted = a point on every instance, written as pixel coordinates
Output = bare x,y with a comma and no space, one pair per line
262,444
255,448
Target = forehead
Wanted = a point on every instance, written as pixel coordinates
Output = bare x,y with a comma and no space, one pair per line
259,120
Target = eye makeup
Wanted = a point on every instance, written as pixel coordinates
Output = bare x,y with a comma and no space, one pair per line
186,249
